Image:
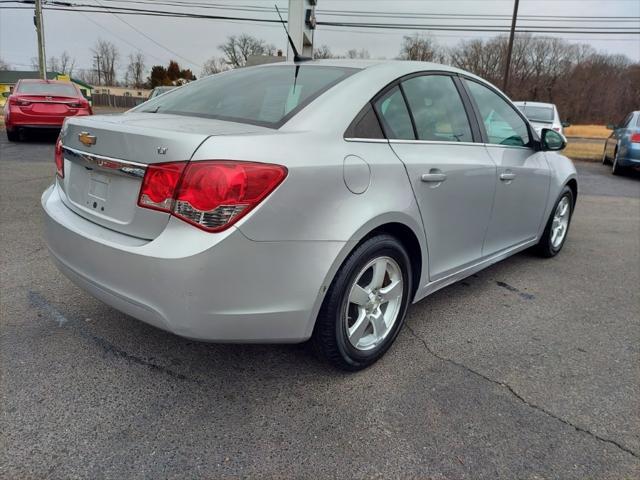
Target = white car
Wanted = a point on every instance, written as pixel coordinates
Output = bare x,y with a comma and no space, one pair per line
542,115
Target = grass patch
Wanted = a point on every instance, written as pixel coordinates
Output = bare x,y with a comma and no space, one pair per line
589,151
587,131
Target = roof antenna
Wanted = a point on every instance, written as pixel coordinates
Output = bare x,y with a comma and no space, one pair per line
296,56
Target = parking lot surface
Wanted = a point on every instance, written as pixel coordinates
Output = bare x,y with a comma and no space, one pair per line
529,369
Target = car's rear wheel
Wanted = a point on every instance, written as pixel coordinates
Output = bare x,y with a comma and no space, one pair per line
13,135
616,169
555,232
605,159
364,308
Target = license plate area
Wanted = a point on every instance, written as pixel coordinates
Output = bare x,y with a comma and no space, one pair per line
103,187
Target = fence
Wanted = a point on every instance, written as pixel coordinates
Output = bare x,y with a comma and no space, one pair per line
117,101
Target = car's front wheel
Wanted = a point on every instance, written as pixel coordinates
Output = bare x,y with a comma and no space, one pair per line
555,232
364,308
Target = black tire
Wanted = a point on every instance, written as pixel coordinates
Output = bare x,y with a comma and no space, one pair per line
330,333
605,159
13,135
545,247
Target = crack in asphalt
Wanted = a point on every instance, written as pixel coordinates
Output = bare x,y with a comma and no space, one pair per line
518,396
40,302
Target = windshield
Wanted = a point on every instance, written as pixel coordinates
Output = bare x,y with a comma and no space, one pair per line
267,96
160,90
538,114
51,89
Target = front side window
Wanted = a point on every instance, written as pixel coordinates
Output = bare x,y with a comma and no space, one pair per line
394,115
437,109
502,123
267,96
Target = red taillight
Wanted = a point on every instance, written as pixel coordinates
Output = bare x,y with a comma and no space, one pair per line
635,138
159,185
212,195
59,159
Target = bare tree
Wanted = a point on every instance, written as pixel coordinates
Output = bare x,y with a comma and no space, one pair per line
362,53
67,63
420,47
237,49
4,65
63,64
322,52
135,70
105,59
214,65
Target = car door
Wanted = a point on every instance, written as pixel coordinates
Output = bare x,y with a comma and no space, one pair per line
523,174
453,178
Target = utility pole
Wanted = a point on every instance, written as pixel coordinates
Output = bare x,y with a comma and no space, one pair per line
42,57
97,57
301,25
507,67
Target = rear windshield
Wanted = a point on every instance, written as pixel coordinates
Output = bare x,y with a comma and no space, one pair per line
52,89
538,114
267,96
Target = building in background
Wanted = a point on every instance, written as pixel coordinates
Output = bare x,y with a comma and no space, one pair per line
8,78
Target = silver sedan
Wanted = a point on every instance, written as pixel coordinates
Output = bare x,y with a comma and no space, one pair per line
312,200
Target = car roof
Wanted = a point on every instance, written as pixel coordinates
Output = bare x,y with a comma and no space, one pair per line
405,66
534,104
40,80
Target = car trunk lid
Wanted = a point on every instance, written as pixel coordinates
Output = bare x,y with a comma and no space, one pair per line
105,158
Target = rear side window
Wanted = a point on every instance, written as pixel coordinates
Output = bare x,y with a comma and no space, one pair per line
365,125
267,96
392,111
51,89
502,123
437,109
538,114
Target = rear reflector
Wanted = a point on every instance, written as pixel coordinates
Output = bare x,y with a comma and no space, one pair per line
212,194
59,157
635,138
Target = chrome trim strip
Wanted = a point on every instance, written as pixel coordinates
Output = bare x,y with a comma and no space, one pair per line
100,162
495,145
434,142
367,140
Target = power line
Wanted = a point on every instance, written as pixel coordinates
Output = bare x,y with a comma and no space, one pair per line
396,26
152,40
118,36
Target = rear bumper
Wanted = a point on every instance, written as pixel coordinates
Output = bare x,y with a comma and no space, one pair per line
213,287
629,155
19,119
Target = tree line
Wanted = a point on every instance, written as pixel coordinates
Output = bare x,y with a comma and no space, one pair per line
586,85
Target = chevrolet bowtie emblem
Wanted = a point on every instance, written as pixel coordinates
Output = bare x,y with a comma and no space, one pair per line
87,139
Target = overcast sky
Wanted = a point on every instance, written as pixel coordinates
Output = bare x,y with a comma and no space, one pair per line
196,40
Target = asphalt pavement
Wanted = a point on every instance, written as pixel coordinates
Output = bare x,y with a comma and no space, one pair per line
529,369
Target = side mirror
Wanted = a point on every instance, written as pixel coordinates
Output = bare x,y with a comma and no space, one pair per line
611,126
566,124
6,94
552,140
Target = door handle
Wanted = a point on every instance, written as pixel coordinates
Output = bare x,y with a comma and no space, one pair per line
433,177
507,177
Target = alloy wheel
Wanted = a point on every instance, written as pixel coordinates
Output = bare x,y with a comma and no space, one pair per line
374,303
560,222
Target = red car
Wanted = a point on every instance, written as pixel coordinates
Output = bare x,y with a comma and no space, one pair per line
42,104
